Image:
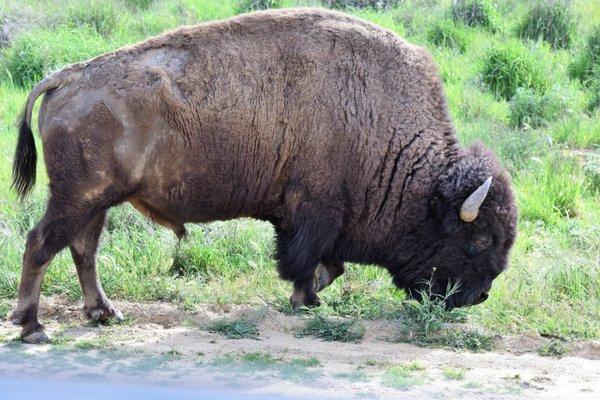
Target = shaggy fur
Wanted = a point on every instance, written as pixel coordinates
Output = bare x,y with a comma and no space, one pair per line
333,129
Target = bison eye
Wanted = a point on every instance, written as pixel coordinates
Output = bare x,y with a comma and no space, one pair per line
479,243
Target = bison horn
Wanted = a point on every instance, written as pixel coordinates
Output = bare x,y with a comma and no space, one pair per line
470,208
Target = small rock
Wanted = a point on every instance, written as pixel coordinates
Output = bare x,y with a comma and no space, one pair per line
532,334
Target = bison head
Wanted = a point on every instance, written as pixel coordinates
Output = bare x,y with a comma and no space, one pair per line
469,230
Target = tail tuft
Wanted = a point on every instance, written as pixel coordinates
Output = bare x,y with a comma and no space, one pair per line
24,164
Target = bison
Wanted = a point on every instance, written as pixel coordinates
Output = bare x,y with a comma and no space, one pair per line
331,128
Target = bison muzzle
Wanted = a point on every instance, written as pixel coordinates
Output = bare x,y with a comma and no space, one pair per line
333,129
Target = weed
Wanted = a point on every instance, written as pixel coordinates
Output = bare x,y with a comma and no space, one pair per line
475,13
550,20
237,329
404,376
445,33
553,348
423,324
454,374
509,67
334,329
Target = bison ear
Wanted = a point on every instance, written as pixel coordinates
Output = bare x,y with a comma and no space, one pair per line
439,207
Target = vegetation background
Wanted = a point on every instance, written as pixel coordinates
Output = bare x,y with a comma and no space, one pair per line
523,77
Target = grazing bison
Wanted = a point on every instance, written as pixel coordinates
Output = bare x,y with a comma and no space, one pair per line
331,128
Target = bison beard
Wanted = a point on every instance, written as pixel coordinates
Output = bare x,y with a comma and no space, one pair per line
331,128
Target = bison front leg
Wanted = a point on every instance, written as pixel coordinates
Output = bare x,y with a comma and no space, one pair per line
310,235
83,249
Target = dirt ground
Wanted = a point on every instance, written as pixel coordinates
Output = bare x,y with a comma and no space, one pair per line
163,345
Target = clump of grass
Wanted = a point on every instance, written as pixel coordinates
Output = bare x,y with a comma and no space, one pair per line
334,329
586,67
234,329
509,67
479,13
404,376
528,108
35,54
549,20
361,4
99,15
454,374
553,348
423,324
445,33
259,359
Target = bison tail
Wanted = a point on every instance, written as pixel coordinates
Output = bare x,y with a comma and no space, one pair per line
24,164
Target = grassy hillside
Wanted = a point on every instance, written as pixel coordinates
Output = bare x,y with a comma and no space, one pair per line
523,77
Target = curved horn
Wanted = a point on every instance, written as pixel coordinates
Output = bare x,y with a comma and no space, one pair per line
470,208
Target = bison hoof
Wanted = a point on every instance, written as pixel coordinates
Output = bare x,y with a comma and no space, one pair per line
104,314
36,337
299,299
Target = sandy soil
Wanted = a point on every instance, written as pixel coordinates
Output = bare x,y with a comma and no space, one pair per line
162,344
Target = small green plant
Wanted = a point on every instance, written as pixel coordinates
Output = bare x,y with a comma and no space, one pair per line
445,33
553,348
509,67
306,362
404,376
528,108
475,13
237,329
333,329
549,20
454,374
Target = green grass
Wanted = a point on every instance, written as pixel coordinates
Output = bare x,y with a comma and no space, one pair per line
425,324
333,329
234,329
531,103
553,348
404,376
454,374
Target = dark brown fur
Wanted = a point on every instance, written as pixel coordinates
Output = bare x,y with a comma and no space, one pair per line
331,128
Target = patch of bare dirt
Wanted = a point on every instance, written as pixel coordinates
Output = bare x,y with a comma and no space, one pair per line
161,343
